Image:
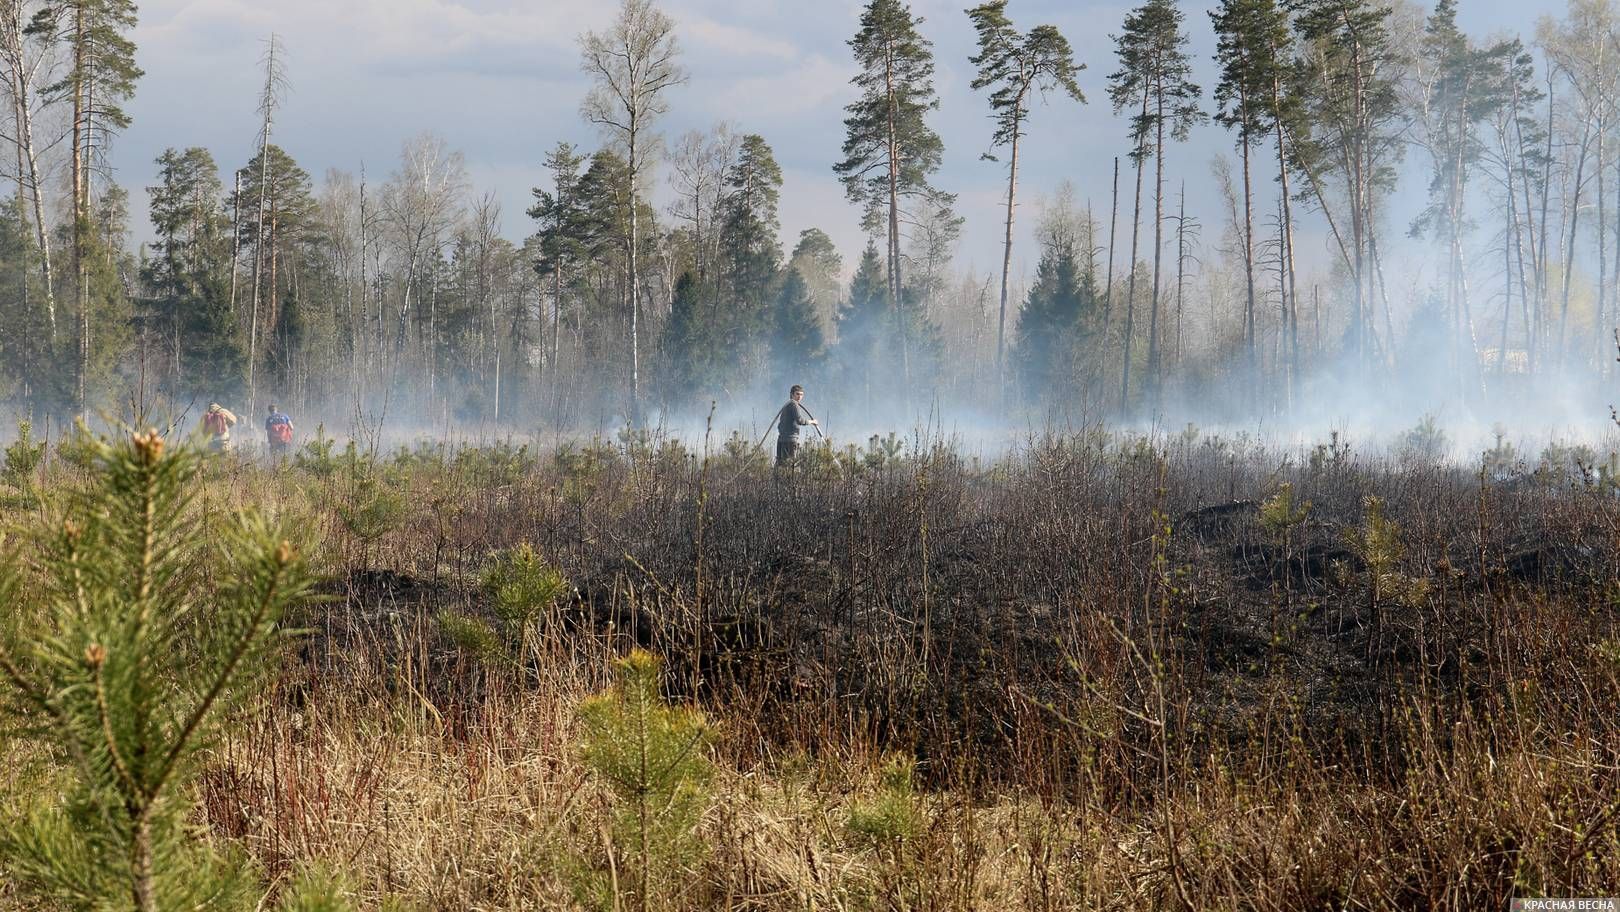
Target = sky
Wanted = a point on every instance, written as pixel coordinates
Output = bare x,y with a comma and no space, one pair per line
500,81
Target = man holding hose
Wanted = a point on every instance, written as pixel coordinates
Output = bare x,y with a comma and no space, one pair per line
789,420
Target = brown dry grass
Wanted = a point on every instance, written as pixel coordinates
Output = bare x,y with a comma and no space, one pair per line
1123,692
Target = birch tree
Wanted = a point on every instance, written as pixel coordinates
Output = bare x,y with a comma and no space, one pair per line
632,65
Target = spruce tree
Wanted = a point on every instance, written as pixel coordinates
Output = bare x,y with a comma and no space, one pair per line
865,324
889,149
818,262
692,347
31,373
1057,319
750,251
187,277
1015,67
562,232
796,341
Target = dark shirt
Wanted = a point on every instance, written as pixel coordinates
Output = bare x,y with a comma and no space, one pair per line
277,418
790,419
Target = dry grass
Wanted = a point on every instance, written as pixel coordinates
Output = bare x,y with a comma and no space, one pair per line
1124,693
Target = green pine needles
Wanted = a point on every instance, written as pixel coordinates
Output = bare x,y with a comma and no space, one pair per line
135,623
653,758
522,587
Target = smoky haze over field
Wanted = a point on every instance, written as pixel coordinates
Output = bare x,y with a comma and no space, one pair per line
339,221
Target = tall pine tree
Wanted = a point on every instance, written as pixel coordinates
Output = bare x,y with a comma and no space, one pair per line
1016,67
889,149
1153,68
1248,35
100,76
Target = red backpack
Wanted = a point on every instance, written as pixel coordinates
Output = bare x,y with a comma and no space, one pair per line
282,431
214,423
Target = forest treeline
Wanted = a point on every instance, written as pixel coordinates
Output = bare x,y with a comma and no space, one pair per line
651,275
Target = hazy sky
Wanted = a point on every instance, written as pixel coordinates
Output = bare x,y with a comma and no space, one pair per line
500,80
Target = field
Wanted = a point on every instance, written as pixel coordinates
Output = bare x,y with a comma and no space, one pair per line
1102,671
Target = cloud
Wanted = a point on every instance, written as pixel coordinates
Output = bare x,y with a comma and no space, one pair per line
813,84
368,31
733,40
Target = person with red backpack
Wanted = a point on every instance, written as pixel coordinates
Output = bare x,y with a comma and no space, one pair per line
278,429
217,423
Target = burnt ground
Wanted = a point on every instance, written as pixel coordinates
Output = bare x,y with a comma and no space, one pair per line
957,612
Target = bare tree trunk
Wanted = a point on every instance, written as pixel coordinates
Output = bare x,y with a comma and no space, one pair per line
363,330
1006,253
1509,237
27,157
1130,283
1459,278
1602,243
80,132
1574,225
1528,235
1155,369
236,238
1542,304
258,265
556,338
1113,220
1181,265
895,284
635,298
1253,379
1290,303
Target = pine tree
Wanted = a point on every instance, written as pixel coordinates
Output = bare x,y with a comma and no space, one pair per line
1249,34
1518,163
1153,66
100,77
1348,130
290,216
1017,67
889,149
149,622
654,759
1469,85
